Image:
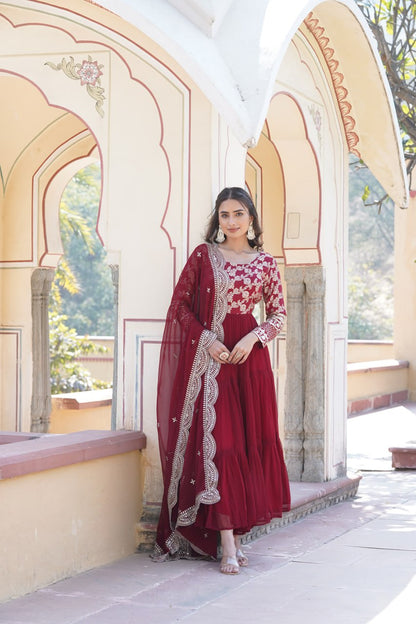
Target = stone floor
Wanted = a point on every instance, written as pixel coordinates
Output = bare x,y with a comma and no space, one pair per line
353,563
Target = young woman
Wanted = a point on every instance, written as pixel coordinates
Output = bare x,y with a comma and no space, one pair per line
221,455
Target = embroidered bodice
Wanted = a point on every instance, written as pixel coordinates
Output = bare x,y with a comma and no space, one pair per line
252,282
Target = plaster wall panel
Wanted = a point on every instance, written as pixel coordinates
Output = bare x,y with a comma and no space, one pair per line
10,378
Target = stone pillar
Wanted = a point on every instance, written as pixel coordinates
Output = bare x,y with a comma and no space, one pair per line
314,415
41,388
115,272
294,389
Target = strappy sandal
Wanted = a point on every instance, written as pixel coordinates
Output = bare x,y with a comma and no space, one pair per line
242,559
229,565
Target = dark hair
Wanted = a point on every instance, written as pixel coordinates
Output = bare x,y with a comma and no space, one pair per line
241,195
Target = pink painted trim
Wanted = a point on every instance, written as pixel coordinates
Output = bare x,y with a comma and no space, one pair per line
108,47
45,191
125,321
5,331
86,126
282,257
142,361
352,138
318,173
55,451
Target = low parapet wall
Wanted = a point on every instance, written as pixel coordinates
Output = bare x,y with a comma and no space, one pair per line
69,503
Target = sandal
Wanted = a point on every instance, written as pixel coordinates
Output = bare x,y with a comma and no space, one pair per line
229,565
242,559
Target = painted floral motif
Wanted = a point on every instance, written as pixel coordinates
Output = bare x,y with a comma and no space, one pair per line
89,72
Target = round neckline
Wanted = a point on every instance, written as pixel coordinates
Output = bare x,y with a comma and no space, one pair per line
241,263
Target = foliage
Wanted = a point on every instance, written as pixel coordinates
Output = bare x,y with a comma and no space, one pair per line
393,24
68,375
371,236
371,258
91,309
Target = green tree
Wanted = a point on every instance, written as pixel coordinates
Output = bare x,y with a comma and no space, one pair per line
90,310
371,259
393,24
68,375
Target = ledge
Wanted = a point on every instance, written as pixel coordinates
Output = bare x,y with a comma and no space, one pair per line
54,451
307,498
404,456
376,366
83,400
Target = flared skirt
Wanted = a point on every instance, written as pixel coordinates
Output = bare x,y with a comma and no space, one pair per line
252,476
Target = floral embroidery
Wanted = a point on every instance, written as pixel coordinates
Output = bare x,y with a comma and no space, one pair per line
252,282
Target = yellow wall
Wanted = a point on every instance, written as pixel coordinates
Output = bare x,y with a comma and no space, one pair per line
367,384
405,291
70,420
64,521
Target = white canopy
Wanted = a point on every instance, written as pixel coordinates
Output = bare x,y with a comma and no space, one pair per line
233,49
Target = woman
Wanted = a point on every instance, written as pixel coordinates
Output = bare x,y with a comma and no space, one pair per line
221,455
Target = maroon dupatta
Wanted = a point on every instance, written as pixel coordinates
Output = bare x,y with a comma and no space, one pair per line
187,392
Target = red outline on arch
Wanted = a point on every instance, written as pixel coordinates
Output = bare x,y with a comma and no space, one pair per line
109,47
45,238
282,257
86,126
318,240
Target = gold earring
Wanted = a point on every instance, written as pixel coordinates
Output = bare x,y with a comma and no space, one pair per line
251,235
220,238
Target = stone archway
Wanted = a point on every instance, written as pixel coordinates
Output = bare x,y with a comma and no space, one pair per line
42,142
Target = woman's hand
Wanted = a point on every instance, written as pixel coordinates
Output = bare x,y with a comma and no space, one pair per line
216,350
242,349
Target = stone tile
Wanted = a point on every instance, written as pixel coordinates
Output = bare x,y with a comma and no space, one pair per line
333,554
192,590
384,533
130,613
44,607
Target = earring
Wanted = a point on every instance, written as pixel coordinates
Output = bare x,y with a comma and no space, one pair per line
220,238
251,235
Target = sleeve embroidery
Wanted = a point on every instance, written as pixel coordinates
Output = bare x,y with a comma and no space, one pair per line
275,307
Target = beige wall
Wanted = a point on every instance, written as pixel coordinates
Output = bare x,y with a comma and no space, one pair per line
405,291
70,420
64,521
366,351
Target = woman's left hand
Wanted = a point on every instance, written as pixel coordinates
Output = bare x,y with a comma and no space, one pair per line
242,349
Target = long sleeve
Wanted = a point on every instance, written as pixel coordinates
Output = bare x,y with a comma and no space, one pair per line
274,304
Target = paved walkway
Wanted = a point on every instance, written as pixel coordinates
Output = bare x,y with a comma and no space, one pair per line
353,563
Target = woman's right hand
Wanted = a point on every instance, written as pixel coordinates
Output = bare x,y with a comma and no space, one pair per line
216,350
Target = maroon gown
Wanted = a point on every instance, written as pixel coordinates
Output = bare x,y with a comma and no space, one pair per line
222,459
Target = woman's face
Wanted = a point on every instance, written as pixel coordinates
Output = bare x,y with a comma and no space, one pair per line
234,218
